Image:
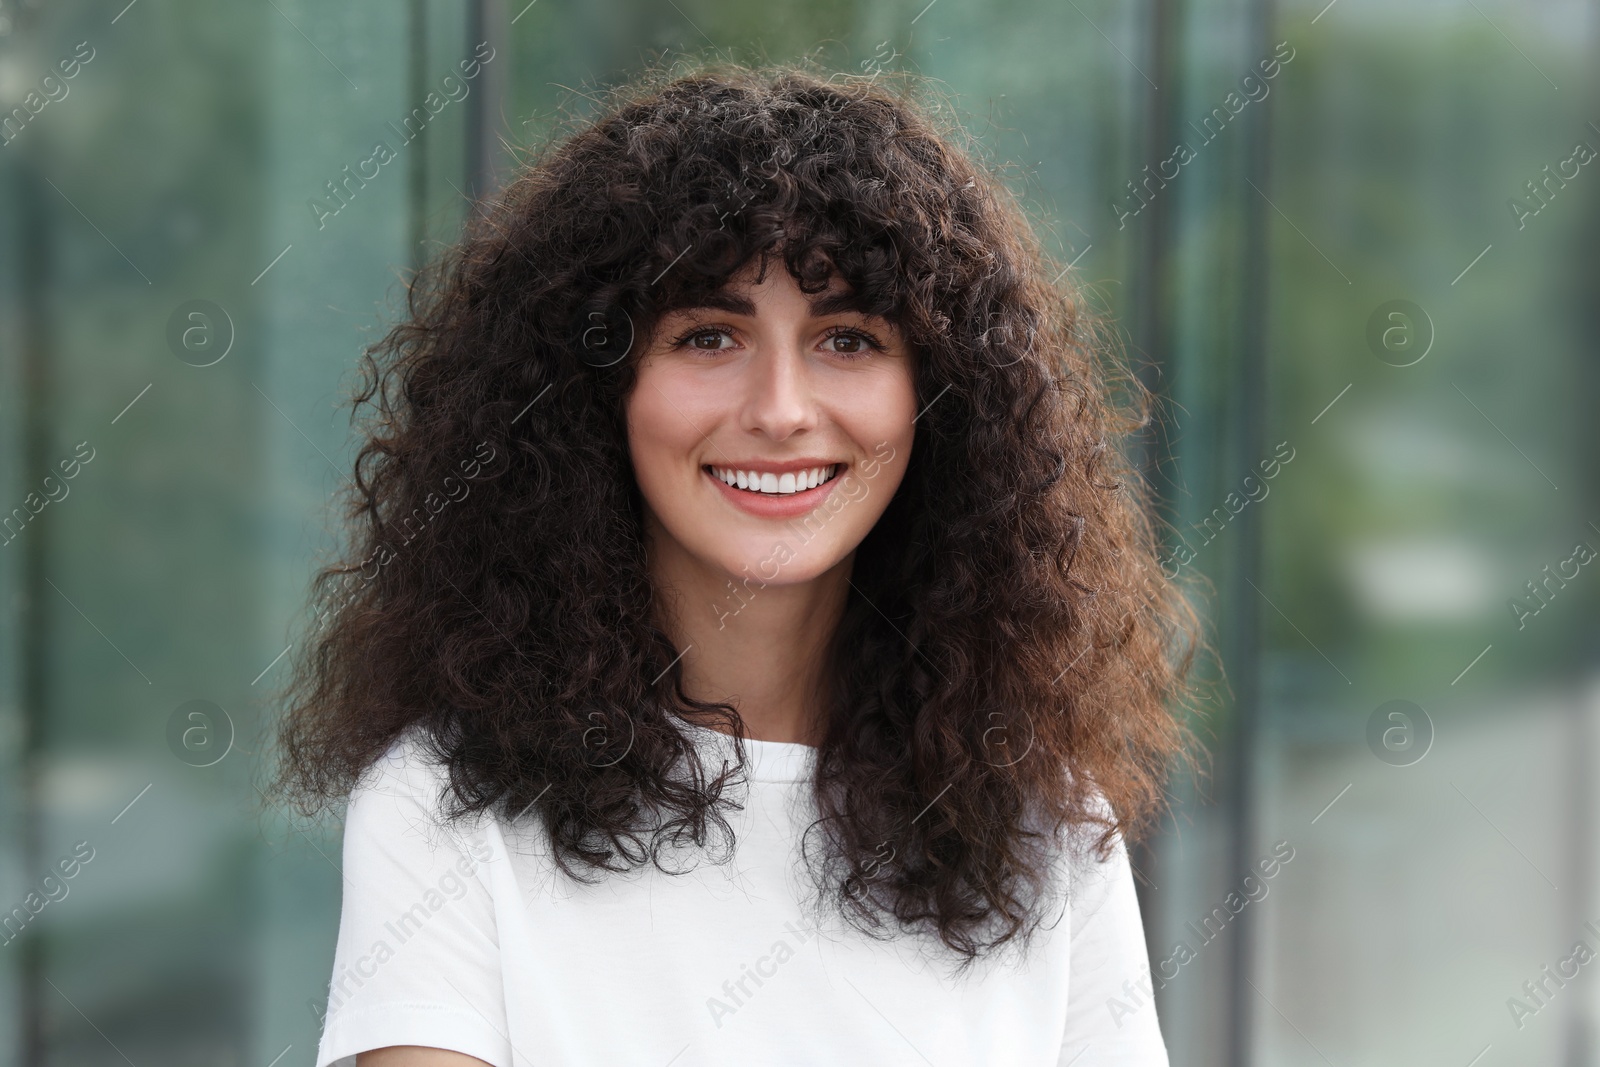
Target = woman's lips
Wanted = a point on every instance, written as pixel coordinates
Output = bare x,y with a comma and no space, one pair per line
775,506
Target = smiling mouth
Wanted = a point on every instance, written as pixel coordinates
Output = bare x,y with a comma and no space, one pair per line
767,483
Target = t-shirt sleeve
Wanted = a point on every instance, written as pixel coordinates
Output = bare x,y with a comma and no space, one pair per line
1111,1012
417,961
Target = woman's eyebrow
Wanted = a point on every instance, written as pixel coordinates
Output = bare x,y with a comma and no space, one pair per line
822,304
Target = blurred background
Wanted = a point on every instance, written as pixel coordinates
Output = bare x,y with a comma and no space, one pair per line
1364,286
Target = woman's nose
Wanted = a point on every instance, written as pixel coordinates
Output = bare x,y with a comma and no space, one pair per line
780,398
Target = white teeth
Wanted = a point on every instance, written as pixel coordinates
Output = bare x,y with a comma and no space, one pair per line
775,484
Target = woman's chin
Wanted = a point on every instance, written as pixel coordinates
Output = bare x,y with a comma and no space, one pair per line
775,564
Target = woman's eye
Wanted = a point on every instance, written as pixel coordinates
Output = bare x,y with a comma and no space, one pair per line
706,340
854,343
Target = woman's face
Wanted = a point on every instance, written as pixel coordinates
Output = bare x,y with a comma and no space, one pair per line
768,434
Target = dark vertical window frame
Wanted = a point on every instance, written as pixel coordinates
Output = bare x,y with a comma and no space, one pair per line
24,372
15,695
444,168
29,336
417,163
1241,638
1581,1040
32,273
1151,326
487,20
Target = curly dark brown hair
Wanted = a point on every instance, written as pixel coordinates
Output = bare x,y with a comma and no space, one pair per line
1010,648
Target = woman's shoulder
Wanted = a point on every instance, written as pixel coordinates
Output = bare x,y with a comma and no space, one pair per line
407,784
409,766
1097,814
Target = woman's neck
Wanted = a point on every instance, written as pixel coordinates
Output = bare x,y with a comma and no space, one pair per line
762,650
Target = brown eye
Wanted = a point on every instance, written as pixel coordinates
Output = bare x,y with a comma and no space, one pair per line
694,339
858,342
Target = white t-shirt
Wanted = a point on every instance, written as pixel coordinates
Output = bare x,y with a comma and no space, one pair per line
468,938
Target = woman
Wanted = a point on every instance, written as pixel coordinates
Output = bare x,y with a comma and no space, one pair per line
754,649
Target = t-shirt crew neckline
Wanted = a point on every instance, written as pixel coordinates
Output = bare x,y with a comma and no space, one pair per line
766,761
